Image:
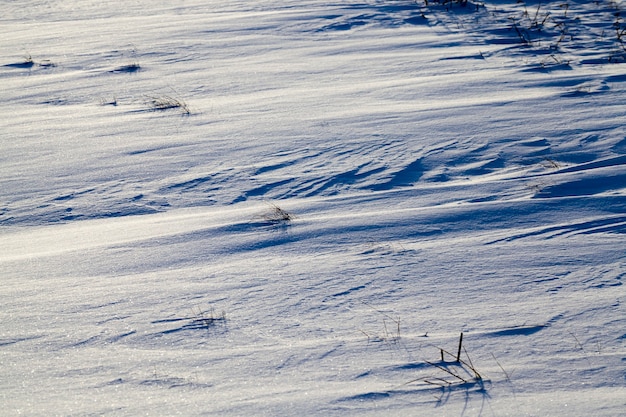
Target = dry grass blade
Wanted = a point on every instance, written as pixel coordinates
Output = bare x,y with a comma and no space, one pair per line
506,374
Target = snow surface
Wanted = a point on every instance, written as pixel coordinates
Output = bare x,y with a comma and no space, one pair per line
336,191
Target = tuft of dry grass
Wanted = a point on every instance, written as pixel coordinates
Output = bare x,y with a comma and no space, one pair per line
207,319
277,215
28,62
166,102
458,372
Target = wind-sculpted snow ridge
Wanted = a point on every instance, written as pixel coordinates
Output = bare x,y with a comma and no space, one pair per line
281,208
296,108
355,297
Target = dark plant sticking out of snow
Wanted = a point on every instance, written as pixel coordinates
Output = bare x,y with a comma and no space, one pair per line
198,320
206,319
452,3
28,62
167,102
453,372
276,215
547,30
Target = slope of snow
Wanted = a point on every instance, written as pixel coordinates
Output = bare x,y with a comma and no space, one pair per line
336,192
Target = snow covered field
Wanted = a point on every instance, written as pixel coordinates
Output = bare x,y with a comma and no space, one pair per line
286,208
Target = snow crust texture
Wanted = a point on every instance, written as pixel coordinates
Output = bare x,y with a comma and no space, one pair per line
298,207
